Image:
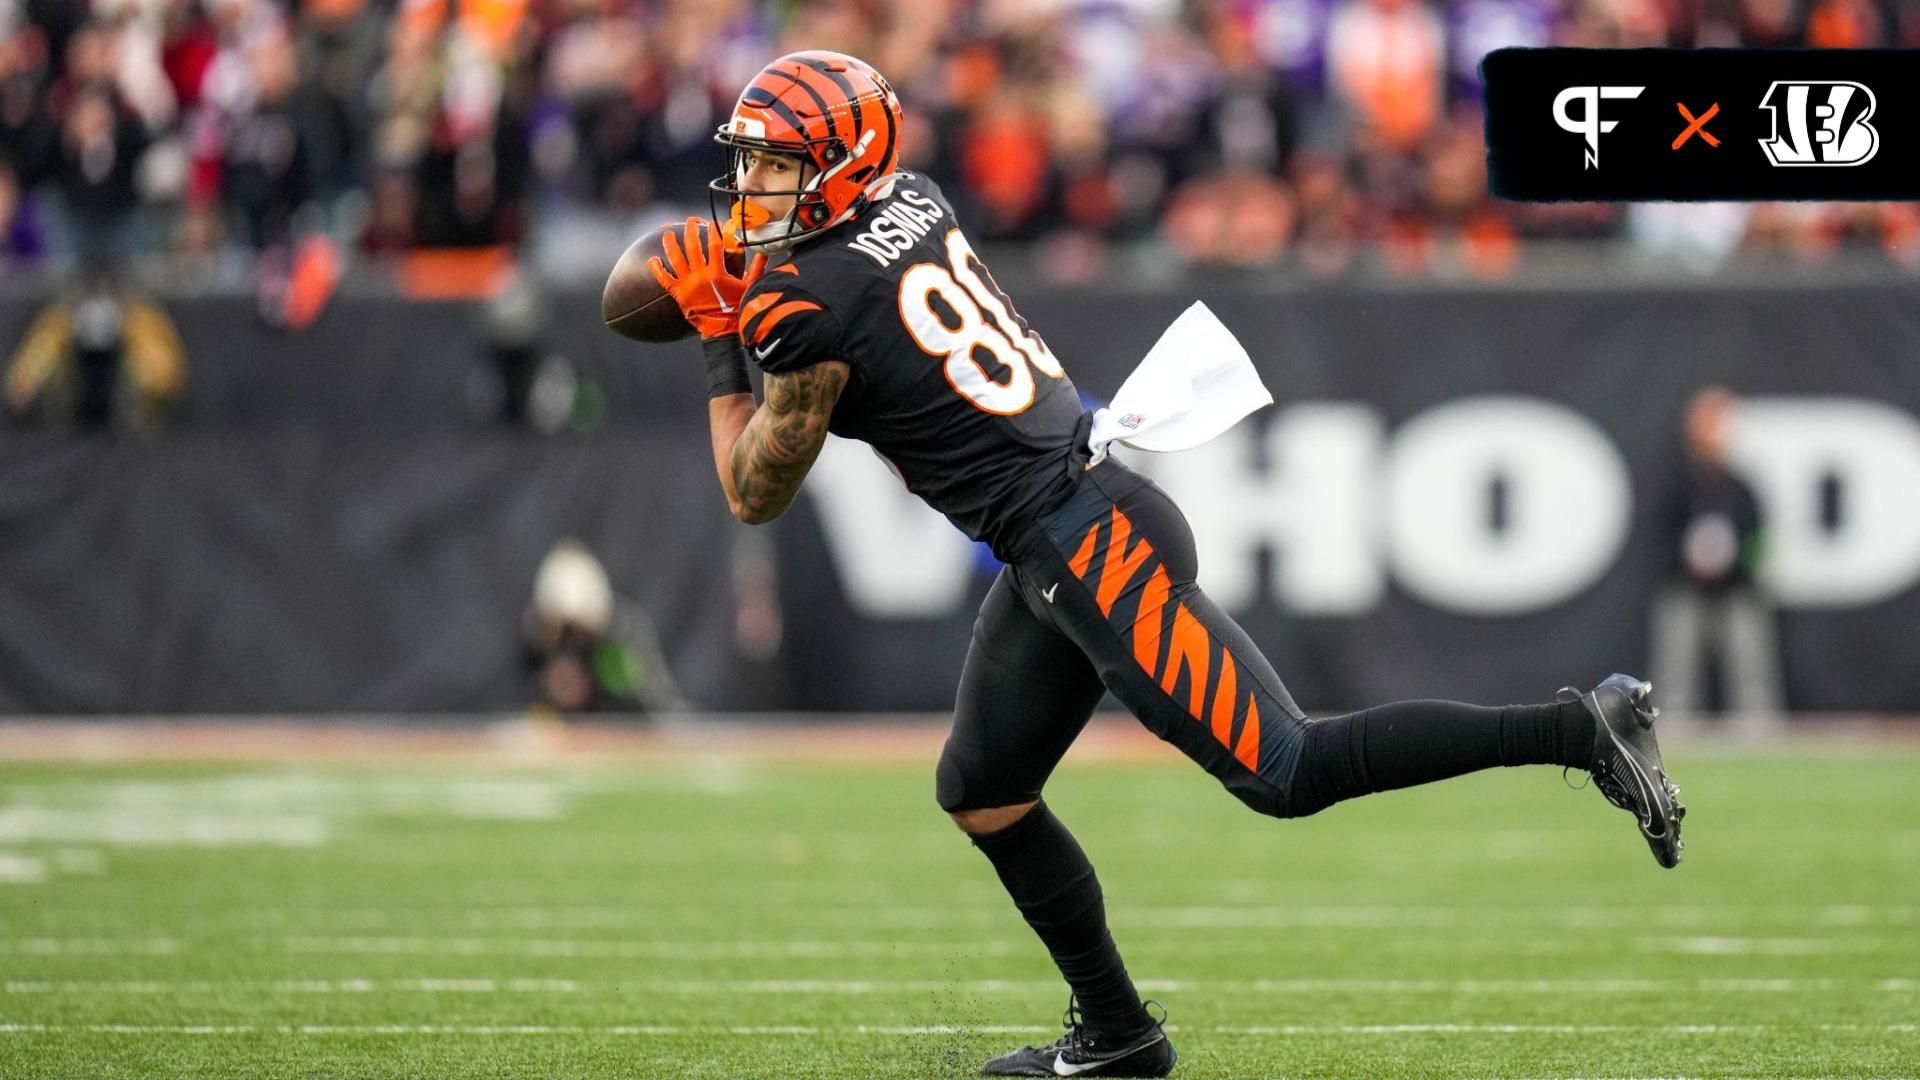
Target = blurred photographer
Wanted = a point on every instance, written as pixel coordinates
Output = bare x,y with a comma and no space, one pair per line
590,650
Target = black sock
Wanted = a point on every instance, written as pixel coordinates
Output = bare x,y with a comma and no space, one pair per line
1054,886
1416,742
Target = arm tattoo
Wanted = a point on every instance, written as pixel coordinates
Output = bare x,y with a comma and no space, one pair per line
784,437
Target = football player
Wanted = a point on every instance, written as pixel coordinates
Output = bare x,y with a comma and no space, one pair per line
872,318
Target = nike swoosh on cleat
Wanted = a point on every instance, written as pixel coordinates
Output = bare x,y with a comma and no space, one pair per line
762,353
1649,798
1061,1068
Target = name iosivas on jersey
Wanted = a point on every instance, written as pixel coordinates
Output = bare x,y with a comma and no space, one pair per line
897,227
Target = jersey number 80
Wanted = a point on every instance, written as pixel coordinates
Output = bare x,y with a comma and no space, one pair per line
962,291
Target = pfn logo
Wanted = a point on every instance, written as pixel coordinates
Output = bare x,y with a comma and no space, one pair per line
1826,124
1590,125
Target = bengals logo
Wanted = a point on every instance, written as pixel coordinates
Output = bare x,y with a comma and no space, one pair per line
1825,124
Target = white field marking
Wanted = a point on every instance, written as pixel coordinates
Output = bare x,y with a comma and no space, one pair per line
79,861
712,774
1261,1030
1334,917
591,948
1761,946
22,869
134,827
487,985
628,950
92,946
309,793
280,808
863,903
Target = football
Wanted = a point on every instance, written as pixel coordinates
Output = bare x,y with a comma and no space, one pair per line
633,303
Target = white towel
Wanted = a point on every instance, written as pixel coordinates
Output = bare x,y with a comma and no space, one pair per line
1195,383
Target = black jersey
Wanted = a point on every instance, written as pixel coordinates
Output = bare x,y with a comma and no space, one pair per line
948,382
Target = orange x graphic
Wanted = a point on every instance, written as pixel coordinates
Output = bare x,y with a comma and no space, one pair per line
1697,124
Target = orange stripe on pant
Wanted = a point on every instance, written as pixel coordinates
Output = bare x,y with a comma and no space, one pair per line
1146,625
1083,559
1120,564
1223,700
1248,752
1190,649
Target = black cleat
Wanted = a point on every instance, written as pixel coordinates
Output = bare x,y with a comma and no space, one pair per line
1626,760
1085,1052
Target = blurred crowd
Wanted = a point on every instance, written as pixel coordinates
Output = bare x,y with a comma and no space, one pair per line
1323,137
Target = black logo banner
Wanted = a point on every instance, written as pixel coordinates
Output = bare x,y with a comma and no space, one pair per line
1703,123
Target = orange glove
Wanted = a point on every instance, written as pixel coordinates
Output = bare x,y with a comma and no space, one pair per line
708,294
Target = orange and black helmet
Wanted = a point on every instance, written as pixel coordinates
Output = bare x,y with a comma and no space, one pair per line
831,110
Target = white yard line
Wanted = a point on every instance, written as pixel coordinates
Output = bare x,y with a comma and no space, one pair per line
496,985
474,946
17,869
419,946
399,945
589,948
1265,1030
53,946
838,903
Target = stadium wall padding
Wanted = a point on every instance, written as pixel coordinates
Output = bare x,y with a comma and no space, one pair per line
329,528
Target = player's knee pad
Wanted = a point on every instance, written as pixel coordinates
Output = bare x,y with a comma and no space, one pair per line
965,781
950,782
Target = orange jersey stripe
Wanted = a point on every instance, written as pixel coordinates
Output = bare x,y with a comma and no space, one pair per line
1146,625
773,317
757,305
1120,564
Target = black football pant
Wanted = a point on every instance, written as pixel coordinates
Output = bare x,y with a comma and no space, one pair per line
1100,595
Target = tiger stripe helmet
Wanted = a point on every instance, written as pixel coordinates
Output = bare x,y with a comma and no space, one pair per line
833,111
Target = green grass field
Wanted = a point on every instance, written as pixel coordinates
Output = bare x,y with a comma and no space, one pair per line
741,918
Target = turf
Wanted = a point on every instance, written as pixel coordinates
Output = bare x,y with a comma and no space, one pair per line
739,918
